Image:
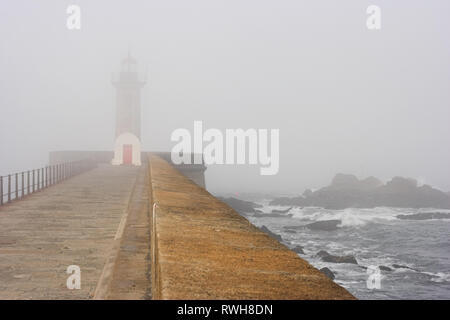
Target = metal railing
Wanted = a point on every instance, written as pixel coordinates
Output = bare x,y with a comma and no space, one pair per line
17,185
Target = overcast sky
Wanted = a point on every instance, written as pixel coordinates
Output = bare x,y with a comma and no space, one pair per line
345,99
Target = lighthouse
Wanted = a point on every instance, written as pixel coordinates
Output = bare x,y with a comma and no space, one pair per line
128,83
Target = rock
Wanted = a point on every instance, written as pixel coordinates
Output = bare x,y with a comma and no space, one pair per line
270,233
424,216
307,193
325,256
298,249
370,183
286,201
345,181
346,191
272,215
325,225
281,211
384,268
400,266
327,272
293,228
240,205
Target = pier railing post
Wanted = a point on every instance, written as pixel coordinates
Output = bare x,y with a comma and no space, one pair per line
9,188
23,185
38,179
1,191
17,186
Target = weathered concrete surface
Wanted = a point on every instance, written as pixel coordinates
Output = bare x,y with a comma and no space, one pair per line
73,222
205,250
130,274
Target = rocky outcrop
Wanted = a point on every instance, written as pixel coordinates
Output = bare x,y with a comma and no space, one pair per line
384,268
240,205
281,211
326,257
271,215
298,249
401,266
325,225
328,273
271,234
347,191
424,216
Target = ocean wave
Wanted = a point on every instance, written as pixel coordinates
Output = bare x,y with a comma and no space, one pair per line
349,217
438,277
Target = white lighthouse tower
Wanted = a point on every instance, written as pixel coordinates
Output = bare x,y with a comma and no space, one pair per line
128,83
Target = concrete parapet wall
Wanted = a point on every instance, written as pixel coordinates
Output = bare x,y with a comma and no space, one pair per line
195,172
203,249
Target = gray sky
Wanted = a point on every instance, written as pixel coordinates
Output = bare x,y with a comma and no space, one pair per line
345,99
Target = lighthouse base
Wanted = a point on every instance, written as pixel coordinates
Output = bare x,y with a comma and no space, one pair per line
127,150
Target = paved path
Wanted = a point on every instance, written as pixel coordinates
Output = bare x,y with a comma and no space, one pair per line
71,223
131,277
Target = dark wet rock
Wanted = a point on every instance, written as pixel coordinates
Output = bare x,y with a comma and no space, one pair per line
307,193
298,249
299,201
281,211
325,225
272,215
325,256
384,268
293,227
240,205
347,191
270,233
401,266
328,273
424,216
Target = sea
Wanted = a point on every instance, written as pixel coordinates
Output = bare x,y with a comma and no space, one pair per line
417,251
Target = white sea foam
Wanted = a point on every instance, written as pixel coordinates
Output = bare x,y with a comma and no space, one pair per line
348,217
439,276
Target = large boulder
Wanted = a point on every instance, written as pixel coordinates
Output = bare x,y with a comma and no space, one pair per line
281,211
325,256
240,205
325,225
328,273
344,181
271,234
298,249
346,191
424,216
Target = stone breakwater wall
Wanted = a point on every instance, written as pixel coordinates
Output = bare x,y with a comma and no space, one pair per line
203,249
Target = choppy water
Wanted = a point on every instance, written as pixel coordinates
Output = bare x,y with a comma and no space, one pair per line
375,237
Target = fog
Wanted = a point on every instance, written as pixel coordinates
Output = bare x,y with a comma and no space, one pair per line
345,99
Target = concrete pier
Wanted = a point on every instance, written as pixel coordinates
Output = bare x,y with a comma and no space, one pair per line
205,250
145,232
71,223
